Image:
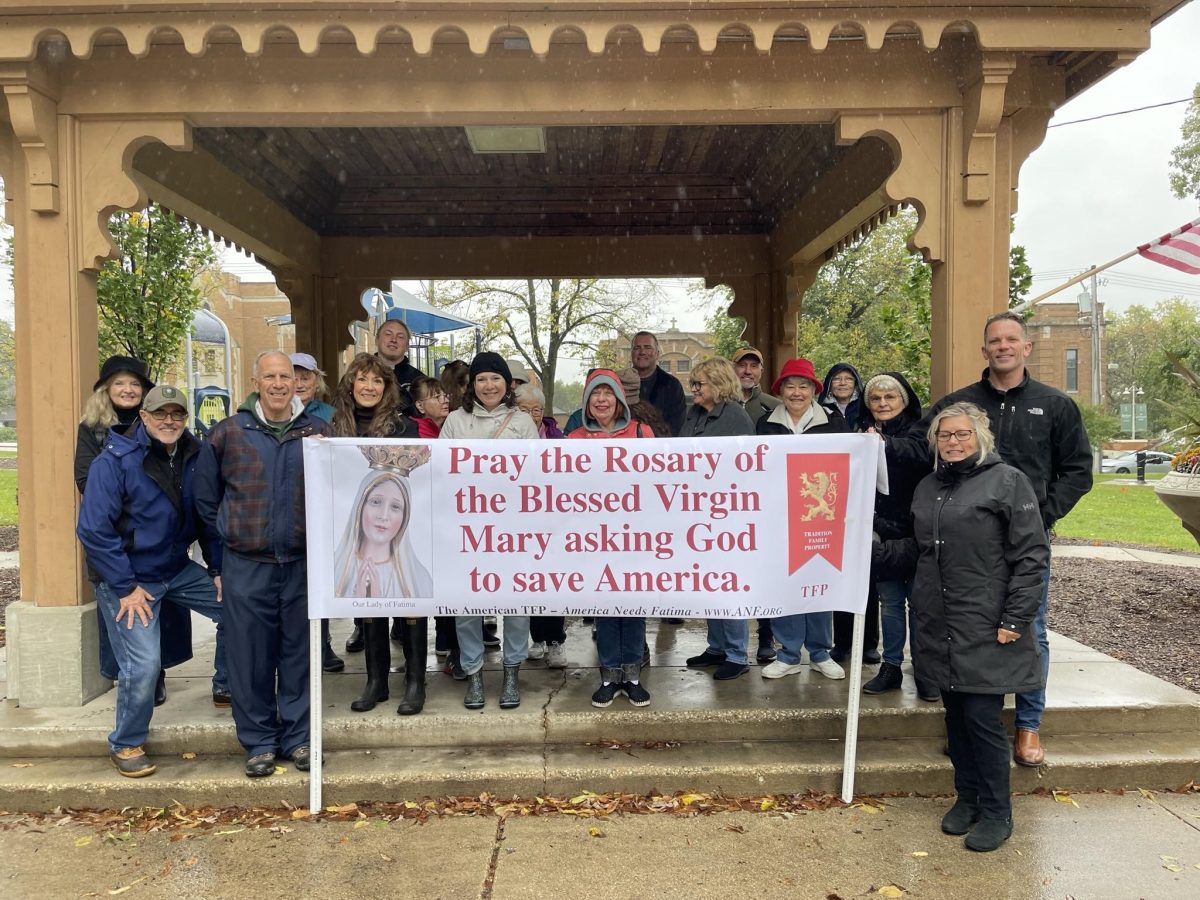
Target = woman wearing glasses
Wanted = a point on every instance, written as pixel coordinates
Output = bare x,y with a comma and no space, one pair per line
979,550
716,411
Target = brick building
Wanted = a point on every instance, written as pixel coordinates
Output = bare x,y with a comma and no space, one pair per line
680,351
1062,349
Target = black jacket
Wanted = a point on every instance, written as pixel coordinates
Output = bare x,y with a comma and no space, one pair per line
1038,429
980,553
835,425
893,518
665,394
854,407
406,373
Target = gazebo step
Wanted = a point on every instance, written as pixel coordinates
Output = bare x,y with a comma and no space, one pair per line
748,768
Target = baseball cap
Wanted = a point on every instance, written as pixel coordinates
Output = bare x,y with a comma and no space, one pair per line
164,395
305,361
747,351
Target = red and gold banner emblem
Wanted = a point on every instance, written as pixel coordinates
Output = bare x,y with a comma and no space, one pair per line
817,485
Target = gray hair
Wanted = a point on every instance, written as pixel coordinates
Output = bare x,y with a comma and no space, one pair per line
979,422
530,393
258,359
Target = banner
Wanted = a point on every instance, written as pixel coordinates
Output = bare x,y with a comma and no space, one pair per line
737,527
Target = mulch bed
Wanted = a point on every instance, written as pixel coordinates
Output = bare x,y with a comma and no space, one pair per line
8,538
10,590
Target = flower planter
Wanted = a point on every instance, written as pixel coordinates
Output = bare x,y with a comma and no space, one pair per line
1180,491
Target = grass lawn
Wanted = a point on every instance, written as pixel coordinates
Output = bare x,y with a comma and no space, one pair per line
8,497
1125,513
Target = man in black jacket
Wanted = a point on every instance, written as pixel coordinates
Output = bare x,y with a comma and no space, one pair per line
391,346
659,389
1040,431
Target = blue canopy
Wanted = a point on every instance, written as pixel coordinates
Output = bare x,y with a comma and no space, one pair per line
419,316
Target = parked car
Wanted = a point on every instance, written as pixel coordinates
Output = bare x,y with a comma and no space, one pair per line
1126,463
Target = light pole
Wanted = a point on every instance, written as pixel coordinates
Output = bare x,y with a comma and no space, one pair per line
1133,392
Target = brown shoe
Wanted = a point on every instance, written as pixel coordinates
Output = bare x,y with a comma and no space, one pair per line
132,762
1027,749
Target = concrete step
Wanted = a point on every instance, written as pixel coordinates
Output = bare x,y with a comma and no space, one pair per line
1091,698
746,768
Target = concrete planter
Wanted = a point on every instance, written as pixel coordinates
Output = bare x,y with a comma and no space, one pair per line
1180,491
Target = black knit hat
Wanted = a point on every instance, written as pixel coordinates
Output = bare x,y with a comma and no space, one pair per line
490,362
115,364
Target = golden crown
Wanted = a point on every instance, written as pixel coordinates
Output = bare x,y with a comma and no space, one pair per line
402,459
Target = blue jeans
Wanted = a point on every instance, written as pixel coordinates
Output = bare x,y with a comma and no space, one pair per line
619,641
470,641
896,621
811,630
728,637
1030,704
137,649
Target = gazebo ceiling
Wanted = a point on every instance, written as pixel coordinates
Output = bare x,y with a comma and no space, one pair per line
604,180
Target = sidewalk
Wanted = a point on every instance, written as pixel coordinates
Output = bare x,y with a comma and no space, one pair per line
1098,846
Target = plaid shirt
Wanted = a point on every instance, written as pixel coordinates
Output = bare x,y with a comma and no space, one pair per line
249,486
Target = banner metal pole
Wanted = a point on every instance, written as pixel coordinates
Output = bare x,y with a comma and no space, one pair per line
855,687
315,706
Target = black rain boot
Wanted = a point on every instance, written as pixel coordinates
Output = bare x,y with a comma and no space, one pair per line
510,689
398,630
354,643
379,660
416,649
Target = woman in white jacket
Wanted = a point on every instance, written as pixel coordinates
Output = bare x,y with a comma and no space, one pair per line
489,412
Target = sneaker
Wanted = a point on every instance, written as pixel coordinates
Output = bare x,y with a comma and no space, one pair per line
780,669
989,834
556,656
537,650
829,669
638,695
705,659
889,679
605,694
260,766
132,762
727,671
302,758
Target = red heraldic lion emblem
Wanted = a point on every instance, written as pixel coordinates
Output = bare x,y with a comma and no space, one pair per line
817,486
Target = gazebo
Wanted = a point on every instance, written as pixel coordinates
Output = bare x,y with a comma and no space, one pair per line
346,144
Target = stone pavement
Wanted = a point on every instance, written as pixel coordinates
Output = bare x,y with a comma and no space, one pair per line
1095,846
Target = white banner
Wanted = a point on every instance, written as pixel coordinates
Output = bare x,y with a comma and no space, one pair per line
739,528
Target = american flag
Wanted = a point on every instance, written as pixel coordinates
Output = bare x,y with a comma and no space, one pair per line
1180,249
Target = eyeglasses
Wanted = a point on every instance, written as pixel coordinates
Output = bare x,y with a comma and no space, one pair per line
161,415
696,385
943,437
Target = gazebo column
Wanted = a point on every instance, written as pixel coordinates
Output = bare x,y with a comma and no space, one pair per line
66,177
770,302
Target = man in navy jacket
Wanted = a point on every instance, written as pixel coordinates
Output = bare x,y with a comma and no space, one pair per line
136,522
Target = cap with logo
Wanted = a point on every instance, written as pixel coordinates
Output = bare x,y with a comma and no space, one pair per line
164,395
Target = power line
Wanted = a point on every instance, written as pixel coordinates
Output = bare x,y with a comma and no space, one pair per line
1123,112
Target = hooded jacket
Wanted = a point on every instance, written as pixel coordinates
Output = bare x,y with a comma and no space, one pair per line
980,551
134,523
250,483
893,518
854,407
1038,429
480,423
623,425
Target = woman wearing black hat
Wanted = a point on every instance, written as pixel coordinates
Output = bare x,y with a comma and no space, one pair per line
489,411
115,401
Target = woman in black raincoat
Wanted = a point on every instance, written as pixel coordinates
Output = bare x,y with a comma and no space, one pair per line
979,549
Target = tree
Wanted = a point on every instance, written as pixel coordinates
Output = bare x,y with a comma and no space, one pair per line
567,396
148,297
1184,168
1138,344
540,318
1101,426
726,330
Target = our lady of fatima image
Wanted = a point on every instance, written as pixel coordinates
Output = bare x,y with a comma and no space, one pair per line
375,557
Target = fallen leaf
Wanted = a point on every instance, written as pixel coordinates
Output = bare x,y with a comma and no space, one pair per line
279,770
1173,867
189,755
231,831
736,829
386,858
127,887
596,832
1065,797
83,841
361,823
1149,795
920,854
766,804
22,765
300,813
190,861
891,891
689,799
348,808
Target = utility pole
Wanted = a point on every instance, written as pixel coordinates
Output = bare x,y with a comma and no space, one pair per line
1096,324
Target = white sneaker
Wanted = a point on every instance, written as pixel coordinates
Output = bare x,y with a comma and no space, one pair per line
537,649
829,669
780,669
556,656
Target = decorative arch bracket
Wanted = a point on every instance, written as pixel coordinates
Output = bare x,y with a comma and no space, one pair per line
33,114
983,107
